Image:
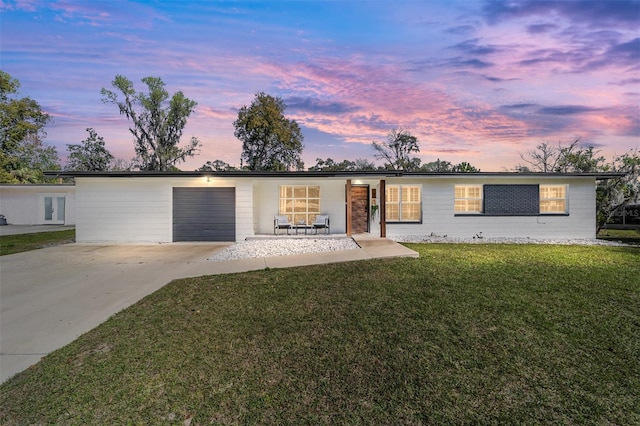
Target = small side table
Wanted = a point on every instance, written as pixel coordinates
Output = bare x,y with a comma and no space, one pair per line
299,226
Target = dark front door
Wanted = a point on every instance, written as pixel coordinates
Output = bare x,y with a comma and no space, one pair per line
359,209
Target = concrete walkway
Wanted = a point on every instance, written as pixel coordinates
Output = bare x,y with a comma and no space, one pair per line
51,296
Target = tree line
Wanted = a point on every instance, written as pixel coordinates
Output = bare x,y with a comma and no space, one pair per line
270,141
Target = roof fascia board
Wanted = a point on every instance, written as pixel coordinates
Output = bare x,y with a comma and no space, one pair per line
324,174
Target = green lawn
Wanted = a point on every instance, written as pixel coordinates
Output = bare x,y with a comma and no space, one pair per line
482,334
10,244
627,236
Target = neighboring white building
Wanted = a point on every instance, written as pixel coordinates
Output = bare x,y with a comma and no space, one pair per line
123,207
38,204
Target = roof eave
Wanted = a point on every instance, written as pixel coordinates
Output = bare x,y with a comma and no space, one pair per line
307,174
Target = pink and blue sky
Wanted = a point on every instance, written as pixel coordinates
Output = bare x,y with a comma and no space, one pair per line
476,81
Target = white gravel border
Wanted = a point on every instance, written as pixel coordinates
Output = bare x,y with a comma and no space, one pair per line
283,247
290,246
487,240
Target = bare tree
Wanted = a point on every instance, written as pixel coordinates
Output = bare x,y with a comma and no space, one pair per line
543,159
396,149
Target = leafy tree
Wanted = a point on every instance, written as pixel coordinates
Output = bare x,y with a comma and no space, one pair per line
121,165
90,155
572,159
329,164
216,166
465,167
158,122
362,164
613,194
442,166
23,154
325,165
269,140
20,118
396,149
438,166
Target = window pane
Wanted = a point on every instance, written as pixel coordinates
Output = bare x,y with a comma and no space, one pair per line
552,206
468,198
286,206
300,191
411,212
295,203
314,206
410,194
314,192
551,191
553,199
392,212
48,208
60,210
467,206
393,194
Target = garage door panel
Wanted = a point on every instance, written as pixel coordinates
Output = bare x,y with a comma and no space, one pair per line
204,214
199,220
205,233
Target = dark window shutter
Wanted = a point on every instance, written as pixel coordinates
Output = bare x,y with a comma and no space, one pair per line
511,200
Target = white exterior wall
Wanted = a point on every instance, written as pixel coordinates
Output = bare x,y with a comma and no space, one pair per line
24,204
267,201
439,217
140,209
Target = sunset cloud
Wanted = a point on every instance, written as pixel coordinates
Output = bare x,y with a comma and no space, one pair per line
474,81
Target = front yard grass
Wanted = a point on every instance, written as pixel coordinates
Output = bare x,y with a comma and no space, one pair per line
627,236
481,334
10,244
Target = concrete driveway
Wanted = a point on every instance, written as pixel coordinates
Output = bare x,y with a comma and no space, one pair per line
51,296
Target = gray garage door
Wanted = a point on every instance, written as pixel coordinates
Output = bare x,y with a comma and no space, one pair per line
204,214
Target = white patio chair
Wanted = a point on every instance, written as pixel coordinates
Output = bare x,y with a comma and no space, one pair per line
321,222
281,222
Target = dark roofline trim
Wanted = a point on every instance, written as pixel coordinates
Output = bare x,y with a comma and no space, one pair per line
312,174
33,185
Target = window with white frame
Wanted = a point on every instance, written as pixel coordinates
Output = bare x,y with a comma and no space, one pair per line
468,199
300,203
553,199
403,203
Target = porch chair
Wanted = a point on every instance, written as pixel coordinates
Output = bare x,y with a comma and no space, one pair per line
281,222
321,222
